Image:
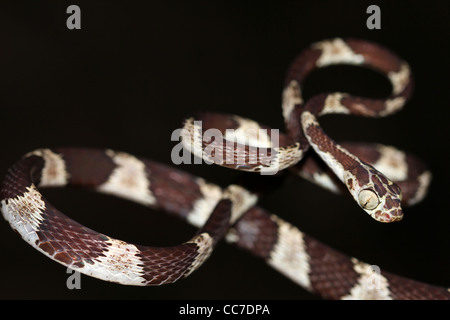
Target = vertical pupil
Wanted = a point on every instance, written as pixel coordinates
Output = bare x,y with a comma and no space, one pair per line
368,199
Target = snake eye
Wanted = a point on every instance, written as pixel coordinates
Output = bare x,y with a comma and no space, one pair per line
368,199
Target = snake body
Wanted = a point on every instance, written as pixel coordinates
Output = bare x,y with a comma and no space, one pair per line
231,213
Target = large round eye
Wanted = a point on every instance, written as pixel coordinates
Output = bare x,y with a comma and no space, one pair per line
368,199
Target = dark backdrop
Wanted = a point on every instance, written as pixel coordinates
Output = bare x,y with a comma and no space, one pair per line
133,72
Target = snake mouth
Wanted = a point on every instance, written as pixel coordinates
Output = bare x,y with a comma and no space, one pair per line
388,216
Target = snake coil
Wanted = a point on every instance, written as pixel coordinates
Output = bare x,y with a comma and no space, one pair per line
381,179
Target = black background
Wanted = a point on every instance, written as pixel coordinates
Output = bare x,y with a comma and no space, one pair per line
134,71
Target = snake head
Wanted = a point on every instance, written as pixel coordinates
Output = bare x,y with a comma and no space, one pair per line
375,194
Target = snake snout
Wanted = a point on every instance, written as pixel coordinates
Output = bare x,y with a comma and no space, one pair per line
392,215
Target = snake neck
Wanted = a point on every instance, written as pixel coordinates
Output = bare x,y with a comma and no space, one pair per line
375,194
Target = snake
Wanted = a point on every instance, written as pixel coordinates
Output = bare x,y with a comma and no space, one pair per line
232,213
